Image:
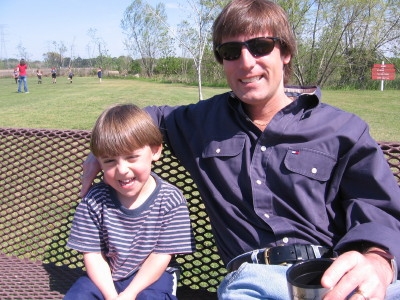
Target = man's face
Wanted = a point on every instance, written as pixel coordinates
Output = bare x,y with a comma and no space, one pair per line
255,80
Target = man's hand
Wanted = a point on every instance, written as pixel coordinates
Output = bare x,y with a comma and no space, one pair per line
368,275
91,168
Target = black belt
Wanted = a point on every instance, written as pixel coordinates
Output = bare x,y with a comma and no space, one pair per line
280,255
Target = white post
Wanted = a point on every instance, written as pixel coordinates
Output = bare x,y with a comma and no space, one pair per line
382,81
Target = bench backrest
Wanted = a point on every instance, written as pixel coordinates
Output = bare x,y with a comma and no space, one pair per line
39,187
39,190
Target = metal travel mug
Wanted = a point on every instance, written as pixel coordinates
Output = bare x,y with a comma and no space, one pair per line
304,279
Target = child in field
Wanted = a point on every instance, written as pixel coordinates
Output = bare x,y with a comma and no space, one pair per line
54,74
16,74
70,75
130,226
39,76
99,73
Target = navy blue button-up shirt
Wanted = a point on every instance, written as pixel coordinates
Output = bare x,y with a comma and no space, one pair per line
314,175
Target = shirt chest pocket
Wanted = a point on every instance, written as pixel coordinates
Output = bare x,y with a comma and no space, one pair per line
224,148
310,163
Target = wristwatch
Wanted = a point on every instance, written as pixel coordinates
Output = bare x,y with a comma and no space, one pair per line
390,258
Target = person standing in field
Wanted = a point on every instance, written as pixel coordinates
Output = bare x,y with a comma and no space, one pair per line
70,75
39,76
54,74
22,77
99,73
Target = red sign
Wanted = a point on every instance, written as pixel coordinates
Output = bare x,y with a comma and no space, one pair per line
388,66
383,72
383,77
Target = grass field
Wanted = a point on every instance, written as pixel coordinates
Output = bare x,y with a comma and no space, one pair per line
77,105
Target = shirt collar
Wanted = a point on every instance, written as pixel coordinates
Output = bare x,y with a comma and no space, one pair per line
293,92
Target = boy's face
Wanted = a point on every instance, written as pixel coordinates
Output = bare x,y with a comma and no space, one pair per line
129,174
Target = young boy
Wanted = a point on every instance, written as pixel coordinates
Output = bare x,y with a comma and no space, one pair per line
54,74
70,75
39,76
130,226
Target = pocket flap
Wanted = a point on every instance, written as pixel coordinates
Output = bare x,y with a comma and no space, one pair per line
229,147
311,163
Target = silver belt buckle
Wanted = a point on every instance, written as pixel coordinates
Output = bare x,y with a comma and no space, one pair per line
266,256
317,252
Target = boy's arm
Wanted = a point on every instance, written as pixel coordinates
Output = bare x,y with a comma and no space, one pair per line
151,270
99,272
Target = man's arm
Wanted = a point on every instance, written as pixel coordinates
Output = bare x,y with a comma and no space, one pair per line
91,168
99,272
151,270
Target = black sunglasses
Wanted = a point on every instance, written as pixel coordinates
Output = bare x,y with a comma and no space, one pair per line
260,46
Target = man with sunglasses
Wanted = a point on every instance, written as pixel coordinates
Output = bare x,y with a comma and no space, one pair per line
283,176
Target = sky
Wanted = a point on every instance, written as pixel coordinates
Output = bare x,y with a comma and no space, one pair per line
36,24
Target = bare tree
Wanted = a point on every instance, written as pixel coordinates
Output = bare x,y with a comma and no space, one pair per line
97,45
60,49
147,34
22,52
195,32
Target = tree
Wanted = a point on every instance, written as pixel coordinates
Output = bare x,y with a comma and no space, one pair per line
59,49
22,53
99,46
335,35
195,32
147,34
52,59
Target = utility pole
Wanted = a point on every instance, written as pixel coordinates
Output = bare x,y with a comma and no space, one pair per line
3,50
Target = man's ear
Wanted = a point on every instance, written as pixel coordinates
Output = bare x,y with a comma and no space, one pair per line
286,58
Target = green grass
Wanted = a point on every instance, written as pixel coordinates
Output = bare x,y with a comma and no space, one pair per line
77,105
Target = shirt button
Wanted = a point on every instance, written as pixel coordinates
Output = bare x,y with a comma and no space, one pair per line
263,148
258,182
266,215
314,170
285,240
218,150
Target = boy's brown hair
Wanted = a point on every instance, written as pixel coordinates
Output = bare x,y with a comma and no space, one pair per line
121,129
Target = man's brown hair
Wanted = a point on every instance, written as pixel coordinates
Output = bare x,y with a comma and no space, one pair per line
255,18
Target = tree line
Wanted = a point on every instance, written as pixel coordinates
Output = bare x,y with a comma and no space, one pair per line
338,43
338,40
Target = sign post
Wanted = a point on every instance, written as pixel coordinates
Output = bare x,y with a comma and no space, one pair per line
383,72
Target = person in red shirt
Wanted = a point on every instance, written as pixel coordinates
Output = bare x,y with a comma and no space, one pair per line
22,66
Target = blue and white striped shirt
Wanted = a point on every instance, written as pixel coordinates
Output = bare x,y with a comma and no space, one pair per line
128,236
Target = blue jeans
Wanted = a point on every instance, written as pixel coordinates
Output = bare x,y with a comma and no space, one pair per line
163,289
268,282
22,79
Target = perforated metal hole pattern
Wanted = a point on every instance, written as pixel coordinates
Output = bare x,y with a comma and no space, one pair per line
39,190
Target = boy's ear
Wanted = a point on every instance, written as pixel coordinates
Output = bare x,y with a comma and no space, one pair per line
156,152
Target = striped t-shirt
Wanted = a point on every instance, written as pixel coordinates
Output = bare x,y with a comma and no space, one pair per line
128,236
